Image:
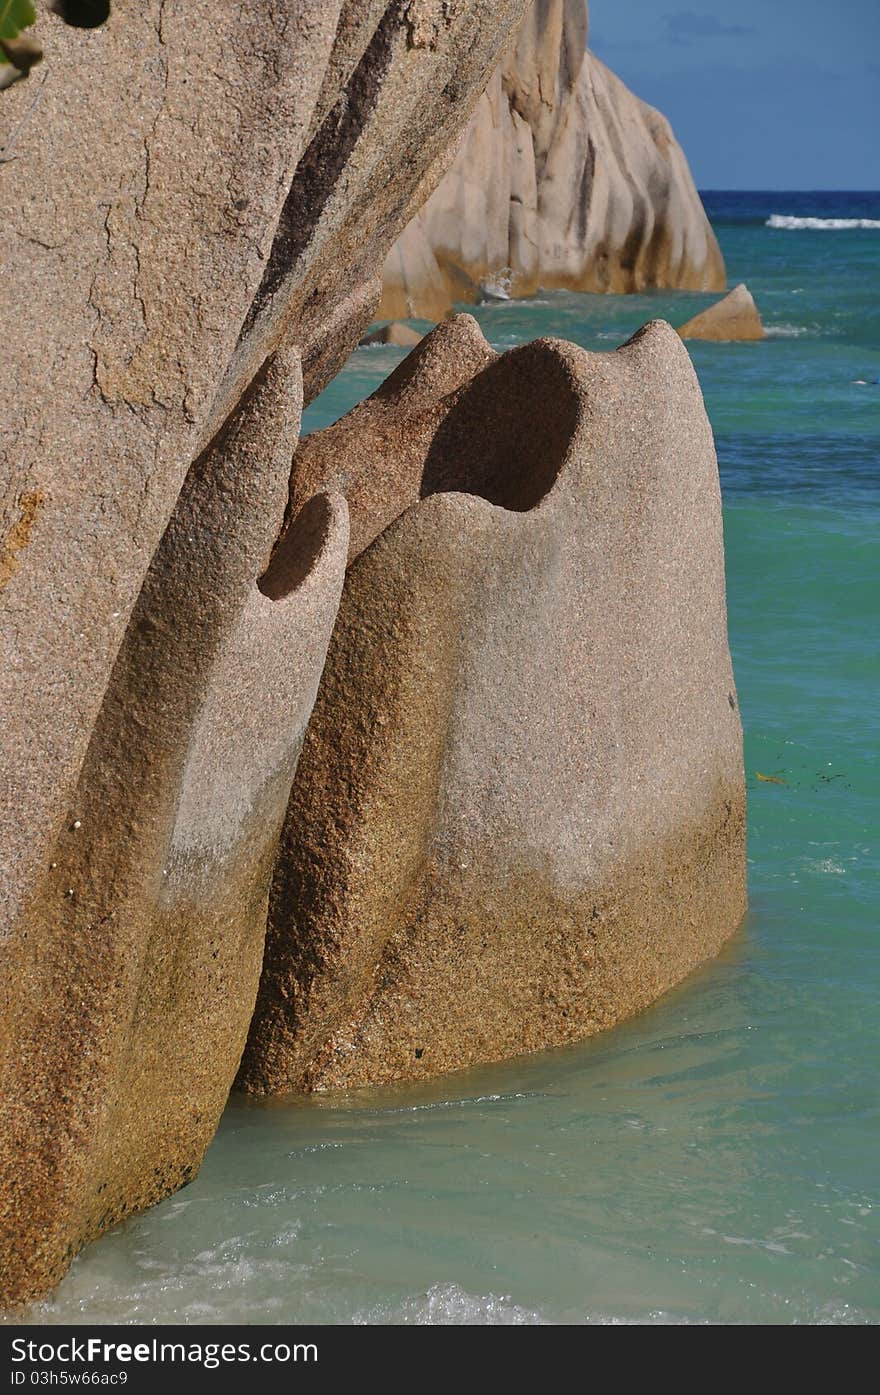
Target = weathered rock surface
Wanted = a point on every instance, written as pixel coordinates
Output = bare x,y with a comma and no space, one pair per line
735,316
564,179
133,982
519,811
401,335
375,455
236,178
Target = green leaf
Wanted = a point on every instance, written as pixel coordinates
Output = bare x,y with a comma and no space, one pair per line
15,15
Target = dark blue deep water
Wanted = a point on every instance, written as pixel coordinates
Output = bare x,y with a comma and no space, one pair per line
718,1158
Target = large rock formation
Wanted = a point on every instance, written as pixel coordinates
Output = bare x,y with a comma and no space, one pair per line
734,316
198,203
519,812
564,178
236,177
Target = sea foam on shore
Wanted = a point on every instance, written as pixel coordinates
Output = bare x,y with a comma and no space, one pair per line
789,223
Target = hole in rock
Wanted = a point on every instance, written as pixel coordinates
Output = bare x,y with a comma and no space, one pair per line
298,550
508,434
82,14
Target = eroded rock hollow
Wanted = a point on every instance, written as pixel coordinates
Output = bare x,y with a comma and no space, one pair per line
519,812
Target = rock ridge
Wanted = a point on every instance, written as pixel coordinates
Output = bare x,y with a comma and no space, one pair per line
564,178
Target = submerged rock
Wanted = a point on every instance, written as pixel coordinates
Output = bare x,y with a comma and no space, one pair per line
519,811
564,179
735,316
401,335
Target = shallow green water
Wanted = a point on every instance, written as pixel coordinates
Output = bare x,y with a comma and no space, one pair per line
717,1158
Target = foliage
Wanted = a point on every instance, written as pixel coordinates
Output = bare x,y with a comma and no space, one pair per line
18,55
15,15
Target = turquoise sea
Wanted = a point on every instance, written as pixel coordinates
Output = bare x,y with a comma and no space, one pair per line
718,1158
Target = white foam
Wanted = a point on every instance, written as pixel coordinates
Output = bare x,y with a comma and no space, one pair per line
789,223
497,286
826,865
447,1305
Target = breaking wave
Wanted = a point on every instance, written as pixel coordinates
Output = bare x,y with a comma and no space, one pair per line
497,286
785,331
788,222
448,1305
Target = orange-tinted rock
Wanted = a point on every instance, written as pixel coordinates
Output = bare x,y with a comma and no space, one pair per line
400,335
519,811
735,316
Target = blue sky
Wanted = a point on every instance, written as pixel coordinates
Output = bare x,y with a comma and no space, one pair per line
762,94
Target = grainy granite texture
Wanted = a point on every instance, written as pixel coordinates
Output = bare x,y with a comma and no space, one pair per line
198,183
519,811
564,178
520,808
133,980
192,228
375,455
734,316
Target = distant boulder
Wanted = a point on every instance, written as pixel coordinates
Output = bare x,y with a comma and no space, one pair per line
564,180
396,333
735,316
